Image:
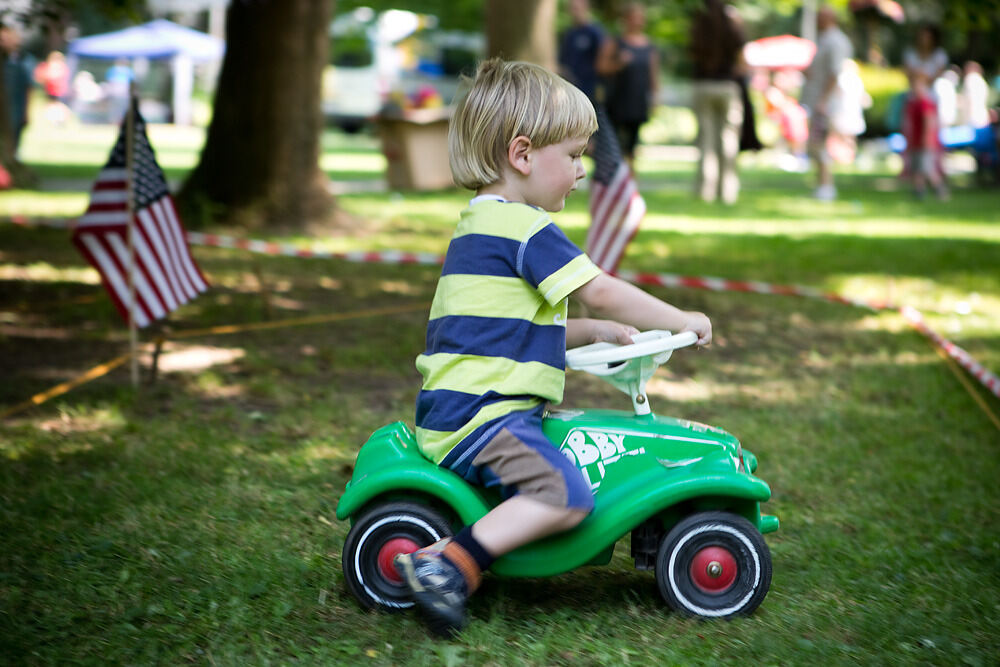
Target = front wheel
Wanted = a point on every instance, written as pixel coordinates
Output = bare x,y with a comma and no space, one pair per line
376,538
714,565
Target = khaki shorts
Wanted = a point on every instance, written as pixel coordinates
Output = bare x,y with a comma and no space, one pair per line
519,460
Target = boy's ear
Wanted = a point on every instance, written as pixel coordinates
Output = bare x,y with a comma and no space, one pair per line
519,154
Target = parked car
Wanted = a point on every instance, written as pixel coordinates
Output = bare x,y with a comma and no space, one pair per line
393,54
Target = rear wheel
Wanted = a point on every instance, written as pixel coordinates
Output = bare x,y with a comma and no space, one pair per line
376,538
715,565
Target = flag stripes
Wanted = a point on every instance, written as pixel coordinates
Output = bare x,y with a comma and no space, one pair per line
616,207
165,275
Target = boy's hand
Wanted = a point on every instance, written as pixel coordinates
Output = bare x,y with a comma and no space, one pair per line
700,324
607,331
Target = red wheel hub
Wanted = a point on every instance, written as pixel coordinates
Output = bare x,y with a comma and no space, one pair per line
713,569
389,550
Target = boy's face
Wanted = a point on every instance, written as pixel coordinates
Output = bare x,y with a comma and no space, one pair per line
555,171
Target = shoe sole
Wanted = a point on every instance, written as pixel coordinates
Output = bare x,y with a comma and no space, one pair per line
442,619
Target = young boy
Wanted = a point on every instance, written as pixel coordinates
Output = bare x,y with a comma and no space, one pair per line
498,330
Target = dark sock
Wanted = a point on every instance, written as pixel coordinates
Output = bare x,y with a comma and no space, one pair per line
465,540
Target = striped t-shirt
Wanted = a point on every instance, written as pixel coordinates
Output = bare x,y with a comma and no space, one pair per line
496,340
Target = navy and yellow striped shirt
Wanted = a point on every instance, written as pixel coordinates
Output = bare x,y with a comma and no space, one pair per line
496,340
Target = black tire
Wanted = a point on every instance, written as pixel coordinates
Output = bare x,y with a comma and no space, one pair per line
714,565
371,537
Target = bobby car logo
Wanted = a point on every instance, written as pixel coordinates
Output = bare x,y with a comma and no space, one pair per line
594,451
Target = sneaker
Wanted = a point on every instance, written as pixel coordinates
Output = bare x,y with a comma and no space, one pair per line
825,192
438,587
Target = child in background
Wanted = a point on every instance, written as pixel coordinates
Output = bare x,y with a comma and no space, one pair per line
792,120
923,145
498,330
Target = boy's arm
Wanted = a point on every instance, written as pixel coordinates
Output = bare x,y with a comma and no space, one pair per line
615,299
584,331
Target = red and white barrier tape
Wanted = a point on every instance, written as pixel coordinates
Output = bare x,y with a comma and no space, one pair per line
977,370
289,250
725,285
961,357
913,316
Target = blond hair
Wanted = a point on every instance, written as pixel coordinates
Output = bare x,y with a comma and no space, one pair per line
506,100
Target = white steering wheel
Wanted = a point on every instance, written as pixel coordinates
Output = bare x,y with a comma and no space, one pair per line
629,367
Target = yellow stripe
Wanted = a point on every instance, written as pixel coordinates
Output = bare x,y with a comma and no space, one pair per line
507,221
436,444
485,296
294,322
510,298
105,368
59,390
471,374
574,274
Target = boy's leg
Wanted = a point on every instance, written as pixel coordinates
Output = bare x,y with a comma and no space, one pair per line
552,496
521,520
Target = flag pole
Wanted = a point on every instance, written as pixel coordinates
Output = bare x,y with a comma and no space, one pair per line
133,330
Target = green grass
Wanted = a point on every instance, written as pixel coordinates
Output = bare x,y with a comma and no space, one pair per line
192,520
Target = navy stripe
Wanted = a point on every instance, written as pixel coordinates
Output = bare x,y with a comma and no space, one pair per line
463,454
481,254
448,411
545,253
512,338
460,458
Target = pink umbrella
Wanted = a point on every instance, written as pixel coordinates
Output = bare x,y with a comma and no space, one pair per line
780,52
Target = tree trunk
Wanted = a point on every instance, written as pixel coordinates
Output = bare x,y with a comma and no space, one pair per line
260,162
6,132
522,30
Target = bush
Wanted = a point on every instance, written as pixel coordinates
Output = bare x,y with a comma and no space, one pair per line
883,84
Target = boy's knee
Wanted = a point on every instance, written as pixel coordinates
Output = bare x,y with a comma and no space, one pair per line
574,516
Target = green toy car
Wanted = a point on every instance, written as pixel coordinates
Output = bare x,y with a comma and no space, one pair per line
685,491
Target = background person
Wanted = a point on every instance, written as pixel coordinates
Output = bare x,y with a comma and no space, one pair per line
118,87
716,47
578,49
832,49
926,55
630,66
791,117
52,75
975,96
923,142
847,113
17,76
924,61
945,91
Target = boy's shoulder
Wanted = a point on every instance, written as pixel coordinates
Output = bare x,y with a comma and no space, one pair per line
511,220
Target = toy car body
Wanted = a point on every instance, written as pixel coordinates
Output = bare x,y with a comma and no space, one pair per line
685,491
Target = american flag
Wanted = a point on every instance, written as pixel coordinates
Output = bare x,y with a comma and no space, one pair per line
616,207
166,276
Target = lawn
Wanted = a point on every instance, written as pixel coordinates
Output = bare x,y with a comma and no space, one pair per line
192,520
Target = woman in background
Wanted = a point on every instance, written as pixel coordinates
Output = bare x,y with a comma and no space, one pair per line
716,47
630,65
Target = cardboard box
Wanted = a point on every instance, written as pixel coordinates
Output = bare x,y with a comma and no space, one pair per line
415,145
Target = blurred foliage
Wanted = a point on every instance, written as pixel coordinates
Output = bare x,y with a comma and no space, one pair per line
45,11
452,14
883,84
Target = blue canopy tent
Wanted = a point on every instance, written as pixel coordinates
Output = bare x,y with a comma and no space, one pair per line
159,39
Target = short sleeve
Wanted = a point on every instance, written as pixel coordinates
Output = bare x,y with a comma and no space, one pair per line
553,265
